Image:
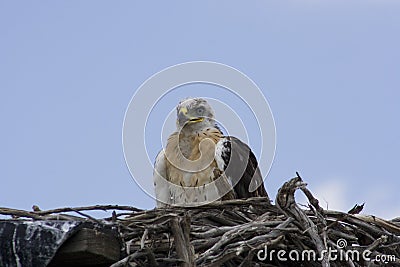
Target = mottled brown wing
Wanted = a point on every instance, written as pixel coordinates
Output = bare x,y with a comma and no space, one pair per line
240,165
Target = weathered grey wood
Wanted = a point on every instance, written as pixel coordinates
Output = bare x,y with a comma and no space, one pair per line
180,229
286,201
88,247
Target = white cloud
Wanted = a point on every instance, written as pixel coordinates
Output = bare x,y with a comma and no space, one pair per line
332,195
382,201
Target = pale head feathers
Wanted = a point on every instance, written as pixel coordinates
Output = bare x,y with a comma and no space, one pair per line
194,114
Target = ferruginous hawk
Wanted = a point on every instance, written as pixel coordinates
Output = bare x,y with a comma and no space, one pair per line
201,165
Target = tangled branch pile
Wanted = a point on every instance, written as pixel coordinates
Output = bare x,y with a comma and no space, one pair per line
241,232
247,232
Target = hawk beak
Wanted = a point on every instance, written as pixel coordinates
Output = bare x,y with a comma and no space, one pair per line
183,116
183,110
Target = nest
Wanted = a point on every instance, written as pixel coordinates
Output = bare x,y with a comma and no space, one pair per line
246,232
250,232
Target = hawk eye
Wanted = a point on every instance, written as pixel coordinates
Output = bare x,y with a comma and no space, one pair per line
200,111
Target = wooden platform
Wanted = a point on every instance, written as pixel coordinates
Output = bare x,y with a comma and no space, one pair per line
88,247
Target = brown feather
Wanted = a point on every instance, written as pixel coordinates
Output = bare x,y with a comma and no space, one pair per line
177,155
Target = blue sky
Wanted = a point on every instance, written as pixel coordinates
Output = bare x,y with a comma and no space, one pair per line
329,69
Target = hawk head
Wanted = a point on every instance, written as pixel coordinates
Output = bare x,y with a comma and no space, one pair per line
194,114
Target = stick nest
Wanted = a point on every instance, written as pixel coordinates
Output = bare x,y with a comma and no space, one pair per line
247,232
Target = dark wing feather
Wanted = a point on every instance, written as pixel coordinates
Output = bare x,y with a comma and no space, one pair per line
241,167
